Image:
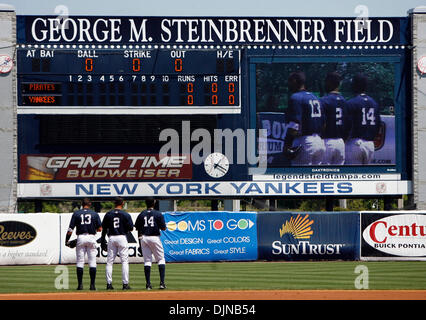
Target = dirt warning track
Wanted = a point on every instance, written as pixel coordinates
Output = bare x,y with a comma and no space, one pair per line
227,295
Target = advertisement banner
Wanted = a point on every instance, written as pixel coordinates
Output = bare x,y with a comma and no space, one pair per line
210,236
29,238
190,236
313,236
215,189
104,167
393,236
273,146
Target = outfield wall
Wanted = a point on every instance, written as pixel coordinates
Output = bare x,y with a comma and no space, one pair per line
234,236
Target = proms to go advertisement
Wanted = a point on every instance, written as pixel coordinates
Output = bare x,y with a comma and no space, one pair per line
308,236
393,236
210,236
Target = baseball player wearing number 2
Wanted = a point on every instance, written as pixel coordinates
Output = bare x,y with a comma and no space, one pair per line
117,223
334,132
87,222
149,223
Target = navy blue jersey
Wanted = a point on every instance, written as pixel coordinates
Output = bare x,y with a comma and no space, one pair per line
117,222
149,222
363,117
306,110
85,221
334,110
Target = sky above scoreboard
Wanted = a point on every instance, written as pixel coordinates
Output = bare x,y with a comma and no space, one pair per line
276,8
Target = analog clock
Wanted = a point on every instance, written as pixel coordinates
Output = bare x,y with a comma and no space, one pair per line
216,165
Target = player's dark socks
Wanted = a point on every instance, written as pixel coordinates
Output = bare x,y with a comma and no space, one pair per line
80,277
92,272
147,270
162,270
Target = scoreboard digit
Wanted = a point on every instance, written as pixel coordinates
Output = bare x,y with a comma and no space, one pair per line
140,81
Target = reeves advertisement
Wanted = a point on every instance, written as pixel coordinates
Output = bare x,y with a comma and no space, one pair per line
210,236
104,167
399,236
313,236
29,238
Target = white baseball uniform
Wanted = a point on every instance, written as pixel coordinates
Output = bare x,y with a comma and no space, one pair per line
117,223
312,152
359,151
334,151
118,245
86,244
87,222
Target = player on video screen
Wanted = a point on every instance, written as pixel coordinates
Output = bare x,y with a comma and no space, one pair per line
305,120
334,132
363,123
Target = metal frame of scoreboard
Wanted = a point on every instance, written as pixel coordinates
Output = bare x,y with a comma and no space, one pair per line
94,93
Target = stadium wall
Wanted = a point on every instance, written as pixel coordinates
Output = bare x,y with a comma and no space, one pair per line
234,236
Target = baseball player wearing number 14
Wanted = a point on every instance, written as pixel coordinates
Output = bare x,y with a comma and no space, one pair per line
149,223
363,122
117,223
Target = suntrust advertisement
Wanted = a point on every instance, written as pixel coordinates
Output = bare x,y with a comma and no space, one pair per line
210,236
308,236
393,236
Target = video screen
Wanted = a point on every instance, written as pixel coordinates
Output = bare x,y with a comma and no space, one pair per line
326,114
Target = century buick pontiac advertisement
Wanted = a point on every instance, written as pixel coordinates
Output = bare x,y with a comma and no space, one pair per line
397,236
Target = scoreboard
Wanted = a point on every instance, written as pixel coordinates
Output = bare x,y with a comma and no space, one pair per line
130,80
198,106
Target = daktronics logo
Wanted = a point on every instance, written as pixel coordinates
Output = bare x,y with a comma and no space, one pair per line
400,235
209,225
301,228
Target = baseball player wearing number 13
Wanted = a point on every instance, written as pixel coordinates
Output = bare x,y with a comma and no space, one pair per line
149,223
87,222
305,117
117,223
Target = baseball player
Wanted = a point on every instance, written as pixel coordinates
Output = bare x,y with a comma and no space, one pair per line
334,131
149,223
87,222
116,224
305,121
363,123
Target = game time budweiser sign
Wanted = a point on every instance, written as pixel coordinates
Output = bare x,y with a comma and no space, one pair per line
104,167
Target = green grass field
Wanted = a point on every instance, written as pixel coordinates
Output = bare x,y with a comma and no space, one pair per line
229,276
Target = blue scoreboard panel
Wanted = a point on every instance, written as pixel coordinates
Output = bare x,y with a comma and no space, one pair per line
200,107
129,80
